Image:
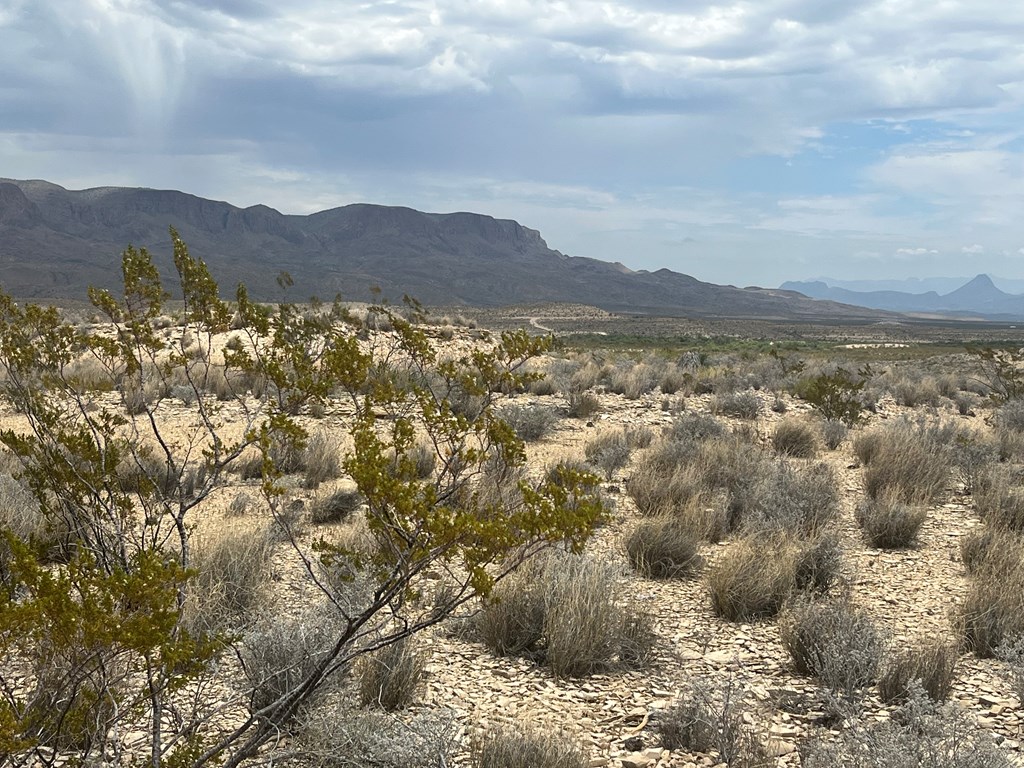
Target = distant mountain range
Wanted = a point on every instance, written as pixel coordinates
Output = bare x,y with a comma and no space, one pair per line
55,242
979,296
917,284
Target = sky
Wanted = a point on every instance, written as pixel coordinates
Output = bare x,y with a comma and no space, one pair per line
739,142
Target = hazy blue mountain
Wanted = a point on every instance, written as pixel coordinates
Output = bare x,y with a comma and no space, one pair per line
55,242
978,296
939,285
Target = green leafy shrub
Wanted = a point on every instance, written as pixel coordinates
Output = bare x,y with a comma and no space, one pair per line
836,396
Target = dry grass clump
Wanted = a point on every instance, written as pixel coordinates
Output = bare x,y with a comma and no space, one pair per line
888,523
758,573
992,612
663,548
21,516
910,462
749,581
232,568
834,641
993,549
795,438
321,461
505,747
739,405
390,677
279,653
708,717
973,456
529,422
999,498
335,736
833,433
913,392
582,405
931,665
335,506
567,612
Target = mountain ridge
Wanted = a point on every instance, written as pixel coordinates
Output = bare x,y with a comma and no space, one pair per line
55,242
978,296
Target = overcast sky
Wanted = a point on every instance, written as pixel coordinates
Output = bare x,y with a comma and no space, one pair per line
746,143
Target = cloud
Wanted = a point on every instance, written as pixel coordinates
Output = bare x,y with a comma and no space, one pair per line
780,129
973,249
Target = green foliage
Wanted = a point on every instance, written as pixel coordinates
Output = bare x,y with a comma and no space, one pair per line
107,614
1001,372
836,395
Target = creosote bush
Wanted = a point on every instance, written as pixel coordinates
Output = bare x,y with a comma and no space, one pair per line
143,587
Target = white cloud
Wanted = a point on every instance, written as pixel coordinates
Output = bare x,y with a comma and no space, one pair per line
973,249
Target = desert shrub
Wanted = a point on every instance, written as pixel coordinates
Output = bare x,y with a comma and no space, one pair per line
241,505
833,641
659,490
637,639
512,622
286,453
1012,654
708,717
914,392
920,733
750,580
608,452
582,405
786,499
910,463
992,612
530,422
964,403
232,565
1009,417
567,613
833,433
333,736
816,561
321,460
335,506
972,456
991,549
695,428
999,498
663,547
888,523
837,396
390,677
527,748
931,665
867,445
280,652
796,438
739,405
